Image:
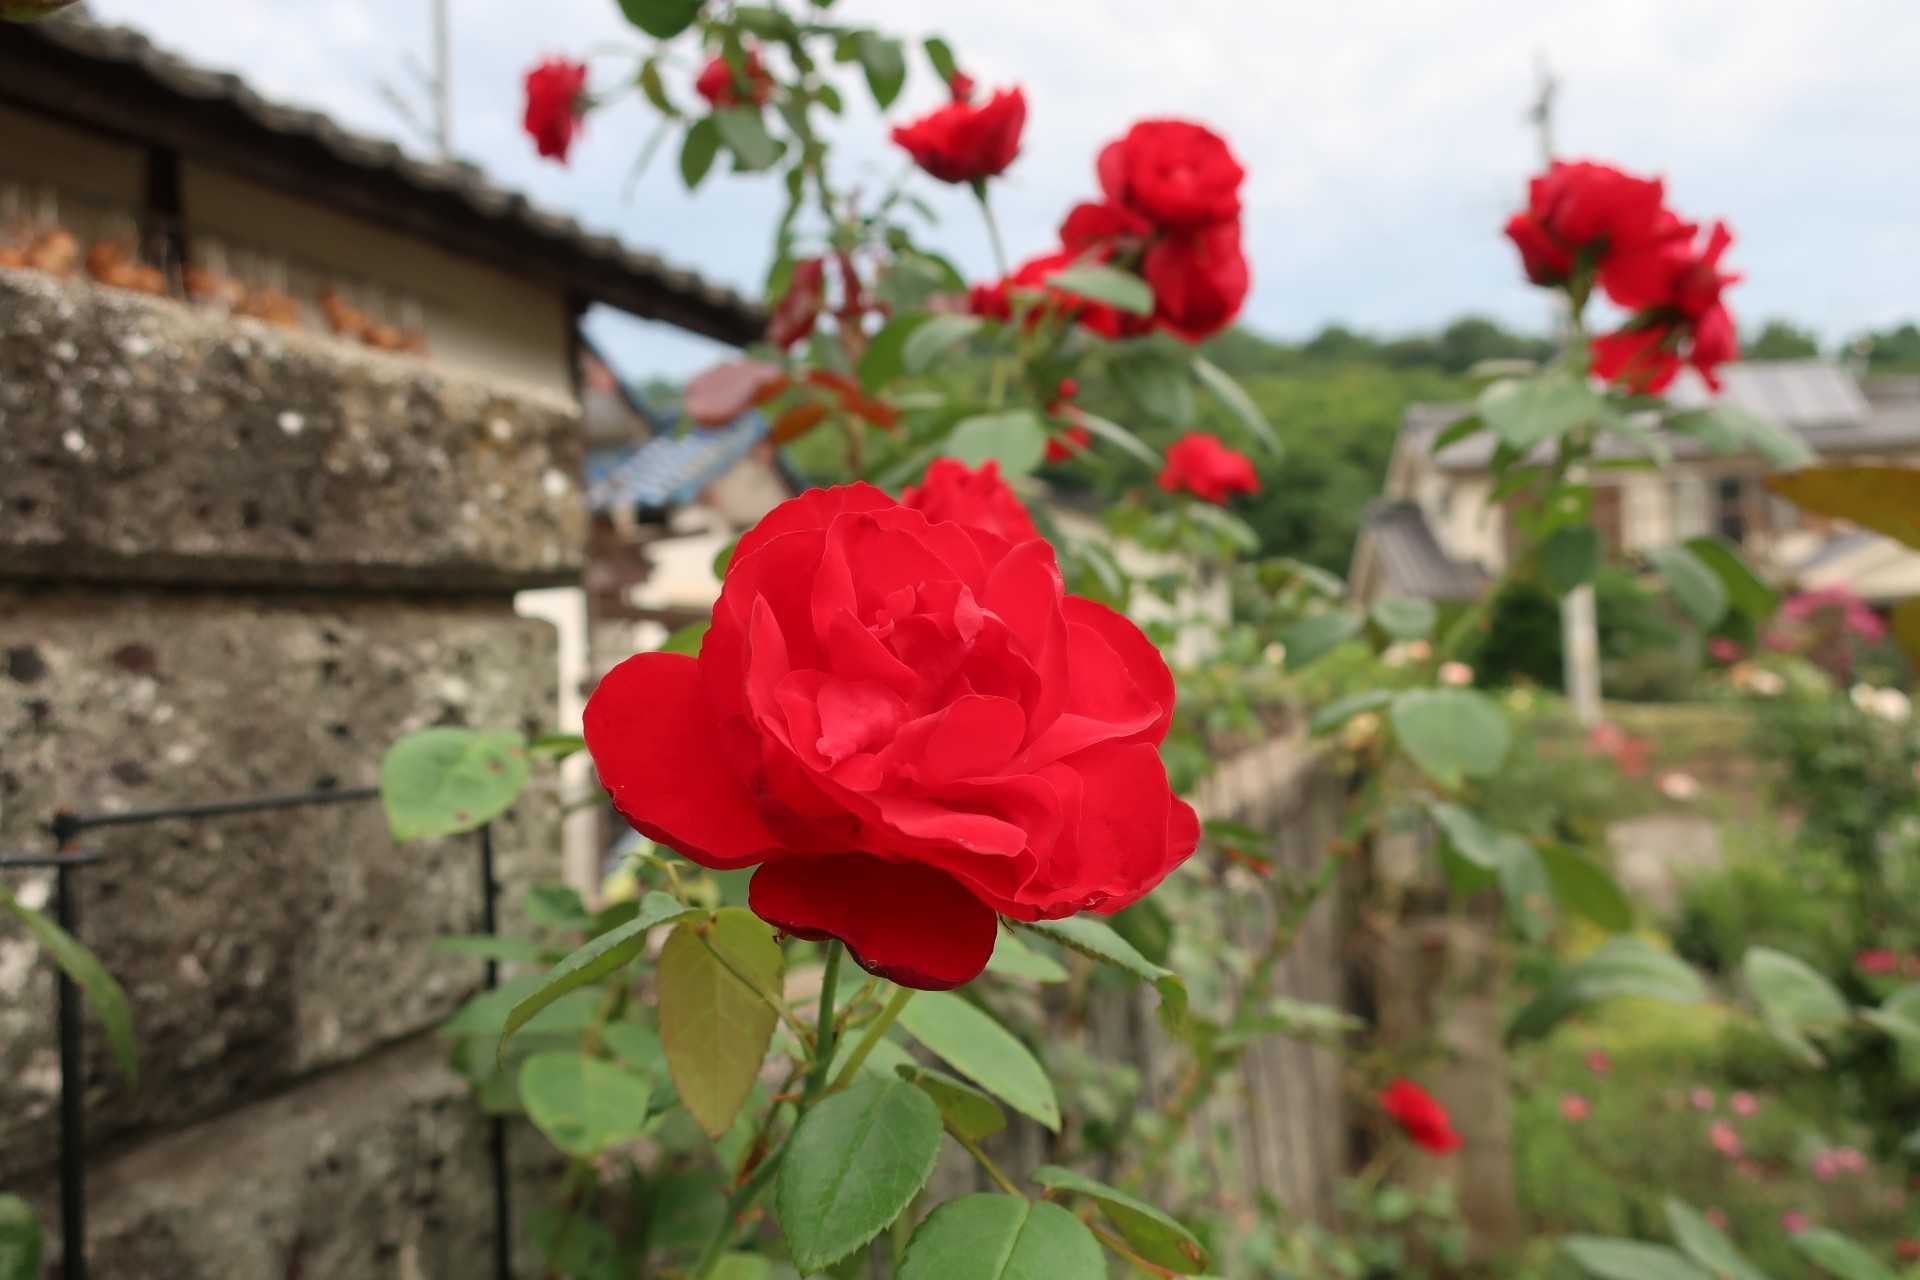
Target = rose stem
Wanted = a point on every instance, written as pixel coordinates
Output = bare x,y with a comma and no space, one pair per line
875,1029
823,1038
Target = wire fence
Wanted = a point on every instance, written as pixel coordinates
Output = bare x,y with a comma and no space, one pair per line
69,860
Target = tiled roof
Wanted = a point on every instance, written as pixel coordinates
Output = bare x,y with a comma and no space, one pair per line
669,470
1412,562
117,79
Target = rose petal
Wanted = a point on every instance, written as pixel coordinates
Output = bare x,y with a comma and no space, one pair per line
909,924
655,743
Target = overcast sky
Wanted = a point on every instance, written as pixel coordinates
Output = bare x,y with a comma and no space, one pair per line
1384,140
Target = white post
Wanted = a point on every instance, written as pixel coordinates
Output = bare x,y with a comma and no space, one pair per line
1580,640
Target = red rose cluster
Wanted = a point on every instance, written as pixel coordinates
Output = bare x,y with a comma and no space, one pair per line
1420,1116
1211,471
1170,209
719,86
962,142
902,718
556,105
1586,223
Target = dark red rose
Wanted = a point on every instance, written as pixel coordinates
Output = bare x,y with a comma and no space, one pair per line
718,85
961,86
1420,1116
953,493
962,142
1649,352
1069,442
799,307
1201,465
1580,210
1175,174
556,105
1199,280
1091,225
910,728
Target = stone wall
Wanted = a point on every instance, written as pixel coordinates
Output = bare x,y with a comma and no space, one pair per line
236,562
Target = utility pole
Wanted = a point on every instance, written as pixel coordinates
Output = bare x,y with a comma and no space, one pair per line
443,79
433,123
1579,613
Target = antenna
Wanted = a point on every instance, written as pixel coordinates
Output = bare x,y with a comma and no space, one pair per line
1540,112
426,106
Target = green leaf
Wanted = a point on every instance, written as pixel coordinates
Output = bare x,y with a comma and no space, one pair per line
1092,938
745,134
1118,289
485,1016
661,19
556,906
1727,428
655,88
687,639
19,1240
1154,1235
1115,434
1231,394
714,1027
1474,840
984,1051
963,1108
884,60
1587,889
556,746
886,355
1525,412
1748,595
1706,1245
995,1237
1697,588
941,57
855,1161
1404,618
1316,635
1341,710
698,150
1570,556
438,782
1294,1019
1013,958
1451,734
102,994
1794,999
1839,1257
1236,532
1147,928
934,337
741,1266
1629,1260
1471,425
610,951
1899,1015
1016,439
1883,499
1157,383
487,947
584,1104
1619,968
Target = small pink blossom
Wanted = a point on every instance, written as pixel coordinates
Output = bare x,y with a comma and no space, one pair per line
1717,1218
1726,1140
1457,674
1825,1167
1744,1104
1599,1063
1724,649
1575,1108
1682,787
1795,1221
1878,962
1850,1160
1702,1099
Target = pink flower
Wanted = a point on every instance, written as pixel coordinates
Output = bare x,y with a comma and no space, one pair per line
1724,649
1850,1160
1795,1221
1458,674
1575,1108
1717,1218
1725,1140
1826,1167
1599,1063
1855,614
1675,785
1744,1104
1702,1099
1877,963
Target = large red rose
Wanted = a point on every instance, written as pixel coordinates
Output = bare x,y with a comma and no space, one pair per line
718,85
962,142
1199,278
1089,225
1175,174
556,104
1203,466
1420,1116
1579,210
910,728
953,492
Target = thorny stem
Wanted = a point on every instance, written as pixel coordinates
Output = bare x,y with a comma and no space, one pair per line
875,1029
986,1162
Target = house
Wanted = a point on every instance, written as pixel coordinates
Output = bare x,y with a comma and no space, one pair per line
1437,534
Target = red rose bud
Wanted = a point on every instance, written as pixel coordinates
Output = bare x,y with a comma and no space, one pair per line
1200,280
1201,465
1174,174
979,499
961,85
1067,390
799,307
719,86
962,142
909,728
1581,210
1071,441
1420,1116
556,105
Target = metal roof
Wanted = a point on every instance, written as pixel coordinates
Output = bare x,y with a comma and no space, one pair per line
669,470
115,80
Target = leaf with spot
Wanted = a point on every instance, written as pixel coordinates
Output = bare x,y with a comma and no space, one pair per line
439,782
715,1027
97,987
612,950
1154,1234
996,1237
855,1161
978,1047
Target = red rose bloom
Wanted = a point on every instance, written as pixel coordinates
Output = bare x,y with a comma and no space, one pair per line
1090,225
979,499
1199,280
718,86
1420,1116
1208,469
556,104
1174,174
995,301
1063,447
910,728
1595,210
962,142
799,307
1877,963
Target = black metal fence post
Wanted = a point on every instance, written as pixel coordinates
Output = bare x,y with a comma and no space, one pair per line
497,1137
